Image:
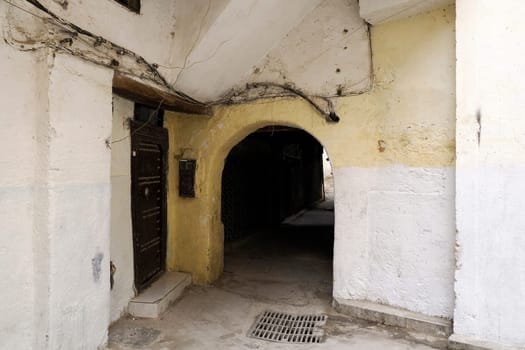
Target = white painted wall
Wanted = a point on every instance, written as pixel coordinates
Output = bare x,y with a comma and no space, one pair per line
121,230
147,33
394,240
54,201
394,217
20,75
80,112
54,197
490,198
165,32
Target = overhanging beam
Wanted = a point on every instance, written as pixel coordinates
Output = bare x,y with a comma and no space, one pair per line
127,87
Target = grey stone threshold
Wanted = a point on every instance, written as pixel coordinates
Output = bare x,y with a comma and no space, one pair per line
393,316
459,342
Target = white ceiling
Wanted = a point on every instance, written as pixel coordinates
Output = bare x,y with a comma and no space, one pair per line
319,46
240,37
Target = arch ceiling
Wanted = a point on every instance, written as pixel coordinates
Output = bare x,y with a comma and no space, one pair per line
318,46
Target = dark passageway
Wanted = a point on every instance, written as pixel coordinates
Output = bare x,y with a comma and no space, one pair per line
278,224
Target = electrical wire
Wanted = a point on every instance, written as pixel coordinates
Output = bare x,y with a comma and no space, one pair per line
156,111
330,115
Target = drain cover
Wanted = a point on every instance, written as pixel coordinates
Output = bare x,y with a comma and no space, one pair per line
288,328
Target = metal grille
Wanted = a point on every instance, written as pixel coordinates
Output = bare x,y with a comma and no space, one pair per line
289,328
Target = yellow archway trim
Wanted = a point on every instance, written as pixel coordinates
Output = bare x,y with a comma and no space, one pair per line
196,230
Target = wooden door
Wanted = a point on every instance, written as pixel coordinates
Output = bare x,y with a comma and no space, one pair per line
149,149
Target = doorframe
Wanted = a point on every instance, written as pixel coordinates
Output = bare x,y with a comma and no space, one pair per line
160,136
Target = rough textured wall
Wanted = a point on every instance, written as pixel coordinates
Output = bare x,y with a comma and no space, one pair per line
54,195
22,104
393,159
79,193
121,231
490,191
394,202
165,31
115,22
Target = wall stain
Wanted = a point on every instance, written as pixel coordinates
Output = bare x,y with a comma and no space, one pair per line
381,145
96,263
112,270
478,119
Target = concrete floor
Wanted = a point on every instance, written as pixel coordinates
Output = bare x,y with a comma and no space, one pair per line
290,270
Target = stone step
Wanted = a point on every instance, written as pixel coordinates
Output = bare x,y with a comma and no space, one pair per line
153,301
393,316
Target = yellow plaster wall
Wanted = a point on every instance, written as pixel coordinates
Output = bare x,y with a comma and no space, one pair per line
408,118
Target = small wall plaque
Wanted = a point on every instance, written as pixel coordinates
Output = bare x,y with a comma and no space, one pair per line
187,177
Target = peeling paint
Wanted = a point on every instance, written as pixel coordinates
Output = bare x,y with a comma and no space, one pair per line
490,275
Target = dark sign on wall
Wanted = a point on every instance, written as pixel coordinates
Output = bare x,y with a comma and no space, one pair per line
187,177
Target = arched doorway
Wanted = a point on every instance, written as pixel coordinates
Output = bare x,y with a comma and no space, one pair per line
278,216
196,239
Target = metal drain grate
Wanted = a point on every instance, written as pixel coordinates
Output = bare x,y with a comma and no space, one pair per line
288,328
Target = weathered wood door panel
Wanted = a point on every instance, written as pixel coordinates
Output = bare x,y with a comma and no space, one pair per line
149,149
